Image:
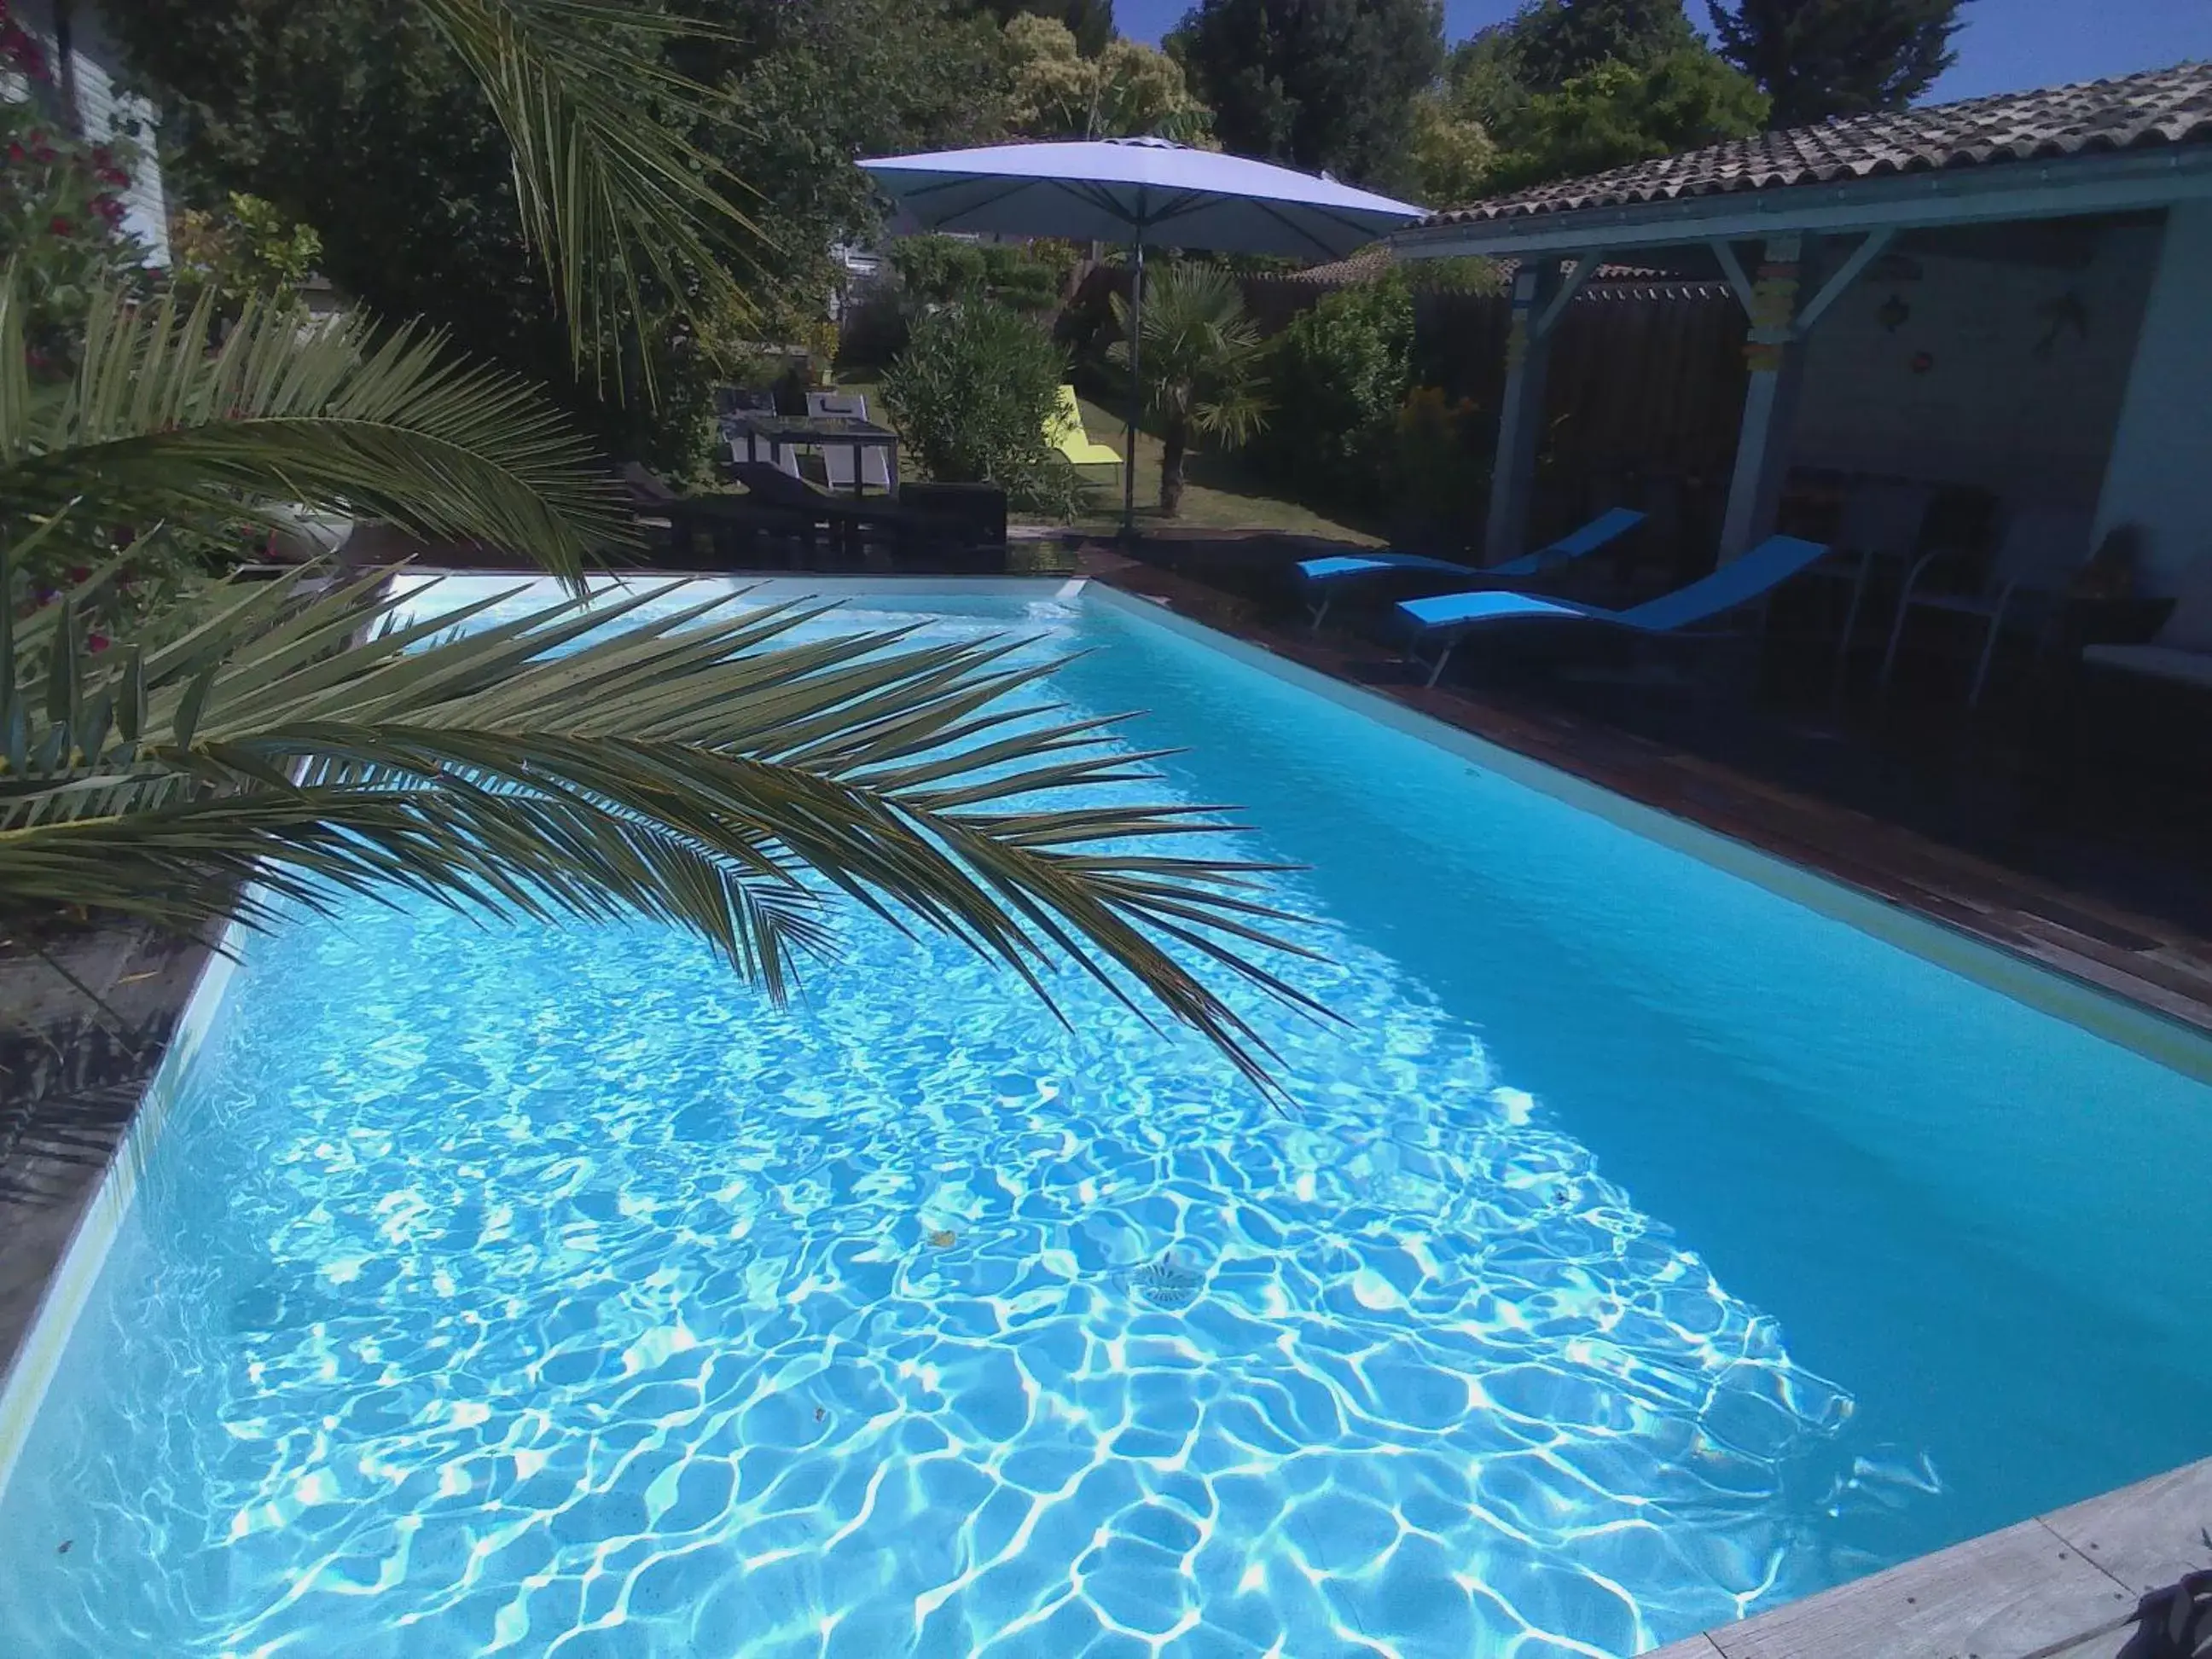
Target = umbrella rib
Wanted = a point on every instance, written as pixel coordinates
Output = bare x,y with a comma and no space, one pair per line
1295,228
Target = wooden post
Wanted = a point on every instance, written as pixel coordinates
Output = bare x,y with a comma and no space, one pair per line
1775,351
1520,417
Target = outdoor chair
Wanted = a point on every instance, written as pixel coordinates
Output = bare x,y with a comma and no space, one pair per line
875,468
1749,580
2042,549
1065,431
1335,576
1882,519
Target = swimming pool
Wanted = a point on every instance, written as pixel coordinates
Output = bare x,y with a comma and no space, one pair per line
1645,1246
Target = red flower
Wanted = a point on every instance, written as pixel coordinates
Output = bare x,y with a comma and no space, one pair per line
95,641
59,226
108,208
102,157
80,574
43,153
16,152
115,176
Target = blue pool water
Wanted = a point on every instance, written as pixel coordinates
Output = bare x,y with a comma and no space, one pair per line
1644,1249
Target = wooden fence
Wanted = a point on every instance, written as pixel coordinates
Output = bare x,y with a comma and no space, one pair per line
1644,402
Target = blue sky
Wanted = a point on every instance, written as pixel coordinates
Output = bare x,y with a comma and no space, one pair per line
2006,44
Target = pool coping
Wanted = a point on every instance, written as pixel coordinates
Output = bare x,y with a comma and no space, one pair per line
31,1371
2062,1585
2067,1585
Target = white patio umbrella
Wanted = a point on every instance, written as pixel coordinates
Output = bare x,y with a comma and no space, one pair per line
1143,191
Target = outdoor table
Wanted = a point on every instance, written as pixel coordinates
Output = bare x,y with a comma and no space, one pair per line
749,431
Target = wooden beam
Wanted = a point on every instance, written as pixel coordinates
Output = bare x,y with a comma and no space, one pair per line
1732,268
1536,288
1864,255
1775,351
1548,318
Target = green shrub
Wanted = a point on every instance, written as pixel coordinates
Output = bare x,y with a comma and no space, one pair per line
936,270
1337,375
971,394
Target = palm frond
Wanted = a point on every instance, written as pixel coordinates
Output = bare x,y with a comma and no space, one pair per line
698,767
156,426
611,193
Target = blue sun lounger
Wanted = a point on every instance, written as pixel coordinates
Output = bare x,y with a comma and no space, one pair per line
1332,575
1741,581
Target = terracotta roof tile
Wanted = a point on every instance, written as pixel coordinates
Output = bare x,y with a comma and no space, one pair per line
2134,112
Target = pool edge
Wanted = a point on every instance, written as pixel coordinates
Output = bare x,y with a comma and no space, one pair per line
2137,1026
23,1389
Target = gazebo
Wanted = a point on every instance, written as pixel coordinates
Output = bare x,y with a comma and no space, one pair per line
2012,293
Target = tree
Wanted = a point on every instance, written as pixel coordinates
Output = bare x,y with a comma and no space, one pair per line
1555,41
1090,22
1818,59
1570,87
1618,112
605,188
355,116
1328,85
1452,156
1200,365
1126,90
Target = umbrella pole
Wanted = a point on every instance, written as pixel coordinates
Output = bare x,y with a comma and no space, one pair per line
1136,396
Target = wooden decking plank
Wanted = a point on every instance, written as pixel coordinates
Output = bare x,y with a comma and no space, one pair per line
2107,1644
2149,1534
2024,1591
1694,1647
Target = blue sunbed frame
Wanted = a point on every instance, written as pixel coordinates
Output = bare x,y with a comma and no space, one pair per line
1740,582
1331,575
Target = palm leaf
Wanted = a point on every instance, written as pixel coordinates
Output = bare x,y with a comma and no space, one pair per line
611,193
155,426
698,768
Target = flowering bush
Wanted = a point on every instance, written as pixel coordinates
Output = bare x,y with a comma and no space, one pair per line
61,214
61,210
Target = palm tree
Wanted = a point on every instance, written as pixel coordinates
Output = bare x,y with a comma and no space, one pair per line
1200,365
705,770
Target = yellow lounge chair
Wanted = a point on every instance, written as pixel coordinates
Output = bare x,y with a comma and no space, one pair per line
1065,432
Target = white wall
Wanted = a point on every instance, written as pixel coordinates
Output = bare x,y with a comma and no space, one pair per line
2160,474
2005,402
102,112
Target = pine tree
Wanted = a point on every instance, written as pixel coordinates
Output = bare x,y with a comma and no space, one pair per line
1817,58
1555,41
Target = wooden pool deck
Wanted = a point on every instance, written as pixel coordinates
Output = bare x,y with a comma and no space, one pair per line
2065,1585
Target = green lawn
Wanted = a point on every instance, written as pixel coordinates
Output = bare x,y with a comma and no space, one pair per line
1218,494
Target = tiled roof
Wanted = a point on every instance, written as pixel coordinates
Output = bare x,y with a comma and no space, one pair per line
2134,112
